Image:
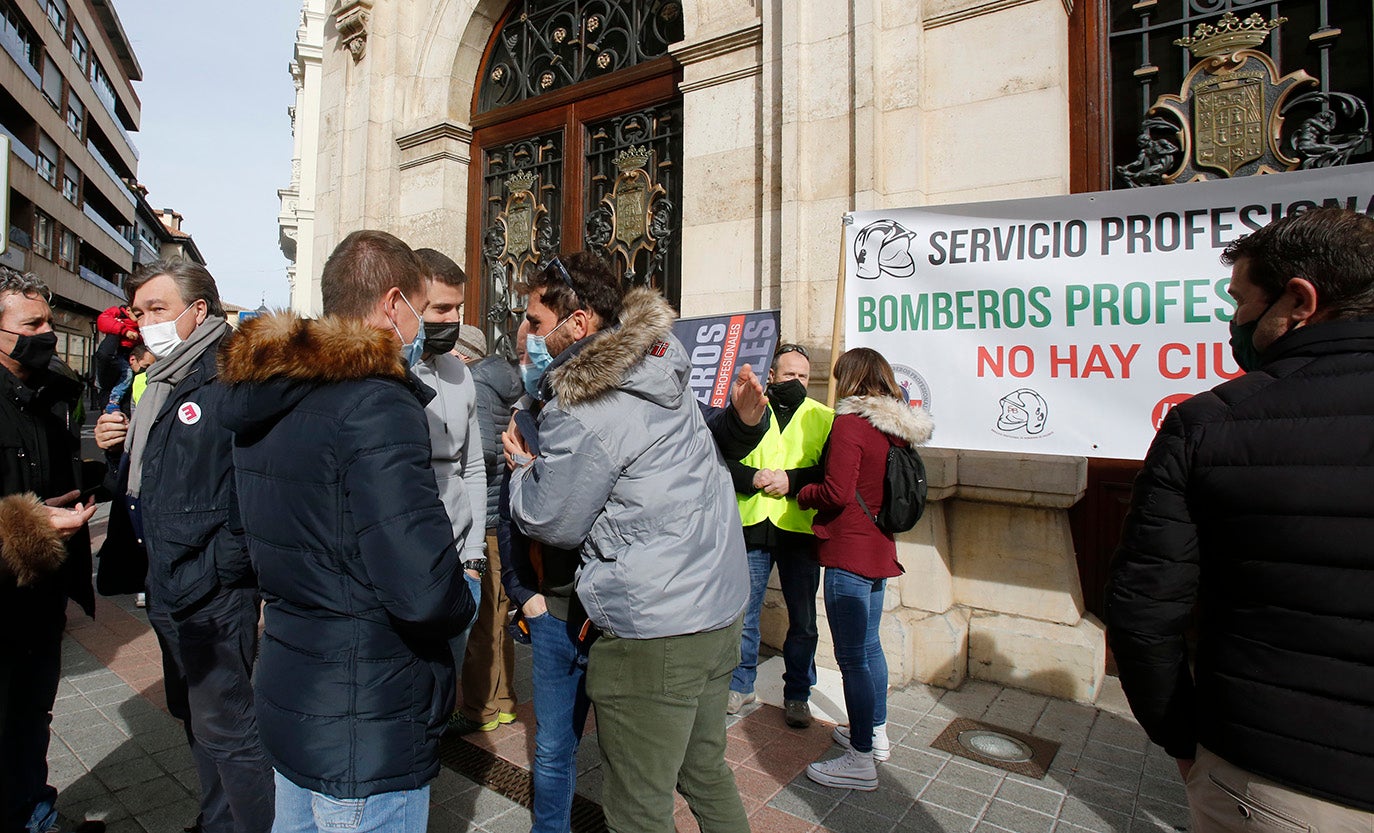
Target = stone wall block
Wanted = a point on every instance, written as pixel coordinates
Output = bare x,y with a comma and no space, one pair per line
928,583
1065,661
1027,43
939,647
1014,560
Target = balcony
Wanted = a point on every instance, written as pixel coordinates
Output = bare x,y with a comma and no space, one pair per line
13,44
20,149
109,169
16,255
109,286
108,229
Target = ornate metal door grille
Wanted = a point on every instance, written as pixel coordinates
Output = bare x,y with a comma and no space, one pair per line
522,211
1333,40
545,45
633,195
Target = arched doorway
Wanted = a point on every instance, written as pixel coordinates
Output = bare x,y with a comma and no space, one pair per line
577,143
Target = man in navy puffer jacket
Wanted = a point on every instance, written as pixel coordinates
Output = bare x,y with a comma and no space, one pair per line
353,549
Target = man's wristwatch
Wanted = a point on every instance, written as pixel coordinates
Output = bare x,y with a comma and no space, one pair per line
477,565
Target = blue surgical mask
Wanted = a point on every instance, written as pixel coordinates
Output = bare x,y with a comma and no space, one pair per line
538,351
530,376
416,348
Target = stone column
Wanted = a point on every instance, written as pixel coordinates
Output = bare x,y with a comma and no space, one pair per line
729,179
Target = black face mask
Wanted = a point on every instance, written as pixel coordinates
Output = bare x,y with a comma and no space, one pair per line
788,394
34,352
440,338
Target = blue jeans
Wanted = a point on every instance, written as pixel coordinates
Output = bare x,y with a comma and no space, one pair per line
800,577
126,381
560,713
304,811
854,606
458,645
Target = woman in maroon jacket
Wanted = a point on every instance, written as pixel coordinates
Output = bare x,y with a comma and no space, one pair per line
858,558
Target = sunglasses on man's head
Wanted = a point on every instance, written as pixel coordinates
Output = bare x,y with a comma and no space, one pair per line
556,267
792,348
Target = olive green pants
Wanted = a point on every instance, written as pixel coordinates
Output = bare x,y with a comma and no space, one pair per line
660,721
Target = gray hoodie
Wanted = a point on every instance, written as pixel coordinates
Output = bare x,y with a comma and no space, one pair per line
629,472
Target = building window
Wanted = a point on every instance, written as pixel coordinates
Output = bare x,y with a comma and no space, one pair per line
66,255
42,235
545,45
52,83
81,49
101,80
47,158
57,14
74,350
16,26
76,115
71,188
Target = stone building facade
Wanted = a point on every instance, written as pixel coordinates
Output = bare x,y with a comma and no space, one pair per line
776,119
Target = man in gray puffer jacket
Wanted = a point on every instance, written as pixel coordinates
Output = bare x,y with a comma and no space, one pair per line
628,471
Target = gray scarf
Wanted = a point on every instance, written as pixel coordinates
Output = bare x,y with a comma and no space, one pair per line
163,376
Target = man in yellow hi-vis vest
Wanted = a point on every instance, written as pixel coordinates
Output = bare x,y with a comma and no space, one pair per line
778,531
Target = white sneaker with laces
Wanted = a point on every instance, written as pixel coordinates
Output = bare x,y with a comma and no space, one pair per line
851,771
882,747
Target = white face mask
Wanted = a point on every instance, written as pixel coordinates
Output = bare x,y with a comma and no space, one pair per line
163,338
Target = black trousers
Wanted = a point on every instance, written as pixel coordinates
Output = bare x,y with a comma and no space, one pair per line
208,654
28,687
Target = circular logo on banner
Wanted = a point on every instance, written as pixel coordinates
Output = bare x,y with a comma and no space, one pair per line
913,386
189,413
1165,405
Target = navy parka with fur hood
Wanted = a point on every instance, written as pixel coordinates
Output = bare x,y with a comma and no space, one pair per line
354,553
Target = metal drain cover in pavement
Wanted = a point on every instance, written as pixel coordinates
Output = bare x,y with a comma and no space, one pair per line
995,746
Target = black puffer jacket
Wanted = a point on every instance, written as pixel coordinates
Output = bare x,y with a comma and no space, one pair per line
39,457
498,388
354,553
1257,501
186,503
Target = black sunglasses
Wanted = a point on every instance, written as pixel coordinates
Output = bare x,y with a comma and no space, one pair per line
556,266
784,349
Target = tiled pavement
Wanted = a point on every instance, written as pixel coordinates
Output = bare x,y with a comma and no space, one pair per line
117,755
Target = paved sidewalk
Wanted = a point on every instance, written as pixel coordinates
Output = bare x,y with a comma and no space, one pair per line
117,755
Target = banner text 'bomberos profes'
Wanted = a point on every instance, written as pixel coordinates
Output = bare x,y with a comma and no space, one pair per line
1065,325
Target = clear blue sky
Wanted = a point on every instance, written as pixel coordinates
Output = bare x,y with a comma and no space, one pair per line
215,140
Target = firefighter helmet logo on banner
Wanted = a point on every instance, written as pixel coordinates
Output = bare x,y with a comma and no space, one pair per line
1023,412
883,248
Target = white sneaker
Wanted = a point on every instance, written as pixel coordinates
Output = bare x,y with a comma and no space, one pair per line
882,747
738,700
851,771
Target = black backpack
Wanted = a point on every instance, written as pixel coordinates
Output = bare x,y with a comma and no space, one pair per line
904,491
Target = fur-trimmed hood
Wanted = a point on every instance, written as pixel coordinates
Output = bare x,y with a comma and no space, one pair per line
29,547
325,350
274,361
890,416
621,358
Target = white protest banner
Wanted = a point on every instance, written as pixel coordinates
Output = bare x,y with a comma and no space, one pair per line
1065,325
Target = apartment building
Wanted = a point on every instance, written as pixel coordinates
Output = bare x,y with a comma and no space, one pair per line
68,105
